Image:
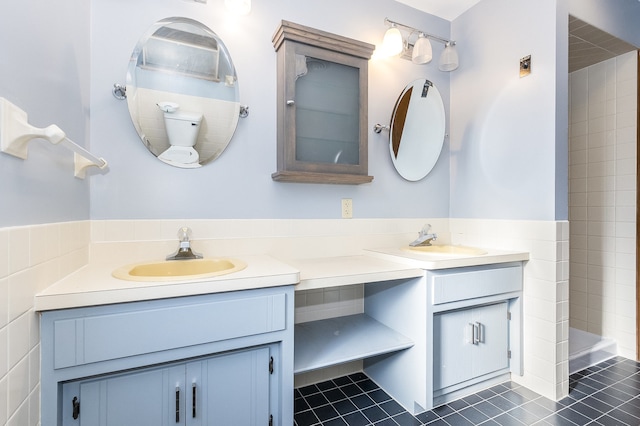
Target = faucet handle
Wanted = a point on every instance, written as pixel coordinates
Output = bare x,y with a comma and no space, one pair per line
184,234
425,229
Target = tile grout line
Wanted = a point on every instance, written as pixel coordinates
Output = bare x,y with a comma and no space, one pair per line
455,411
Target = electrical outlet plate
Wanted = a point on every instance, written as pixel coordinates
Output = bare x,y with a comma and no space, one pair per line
347,208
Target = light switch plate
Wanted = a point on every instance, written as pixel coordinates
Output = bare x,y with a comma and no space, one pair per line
525,66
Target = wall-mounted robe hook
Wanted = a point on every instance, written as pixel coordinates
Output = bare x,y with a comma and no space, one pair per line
16,133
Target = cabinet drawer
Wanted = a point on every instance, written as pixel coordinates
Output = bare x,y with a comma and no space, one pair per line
469,283
155,327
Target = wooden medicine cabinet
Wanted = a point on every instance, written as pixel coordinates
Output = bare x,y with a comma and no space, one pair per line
322,106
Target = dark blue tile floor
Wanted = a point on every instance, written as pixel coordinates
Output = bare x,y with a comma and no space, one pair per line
607,394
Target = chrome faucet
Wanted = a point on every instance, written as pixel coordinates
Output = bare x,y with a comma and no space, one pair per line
424,237
184,251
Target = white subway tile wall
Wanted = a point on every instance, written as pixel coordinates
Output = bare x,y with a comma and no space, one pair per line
31,258
602,200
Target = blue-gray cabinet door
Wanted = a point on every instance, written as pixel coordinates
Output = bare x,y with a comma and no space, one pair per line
469,343
230,389
154,396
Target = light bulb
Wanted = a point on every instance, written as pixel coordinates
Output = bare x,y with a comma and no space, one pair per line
238,7
449,58
422,51
392,43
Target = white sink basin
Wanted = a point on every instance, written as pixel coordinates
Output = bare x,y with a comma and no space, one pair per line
176,270
446,250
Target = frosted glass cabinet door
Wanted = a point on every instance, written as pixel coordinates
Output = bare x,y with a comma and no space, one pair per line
457,357
327,107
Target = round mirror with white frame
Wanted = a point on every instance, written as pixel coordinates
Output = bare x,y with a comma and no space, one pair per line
182,92
417,129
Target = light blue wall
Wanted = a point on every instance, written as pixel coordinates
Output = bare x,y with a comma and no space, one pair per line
44,69
503,127
239,184
508,155
562,111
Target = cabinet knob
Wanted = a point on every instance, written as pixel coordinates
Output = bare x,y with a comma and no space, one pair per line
291,102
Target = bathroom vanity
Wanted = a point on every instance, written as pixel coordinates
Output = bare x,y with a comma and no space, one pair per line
204,355
198,351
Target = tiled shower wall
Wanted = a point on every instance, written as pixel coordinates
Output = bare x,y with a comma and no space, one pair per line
602,201
31,258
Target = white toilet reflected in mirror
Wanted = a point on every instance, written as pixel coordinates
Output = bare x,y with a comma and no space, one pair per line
182,129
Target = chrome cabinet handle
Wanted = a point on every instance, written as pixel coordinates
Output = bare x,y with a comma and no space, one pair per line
472,333
476,333
291,102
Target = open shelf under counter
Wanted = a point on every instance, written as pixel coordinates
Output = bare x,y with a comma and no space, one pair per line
336,271
338,340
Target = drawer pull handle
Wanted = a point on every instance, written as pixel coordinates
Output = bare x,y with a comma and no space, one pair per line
472,333
480,328
193,400
76,407
476,334
177,404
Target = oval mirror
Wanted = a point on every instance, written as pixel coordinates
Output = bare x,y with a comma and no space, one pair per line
182,92
416,133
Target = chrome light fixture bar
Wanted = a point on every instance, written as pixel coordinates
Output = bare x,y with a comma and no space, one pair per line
419,51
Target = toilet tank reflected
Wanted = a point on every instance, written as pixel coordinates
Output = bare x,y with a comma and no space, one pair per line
182,129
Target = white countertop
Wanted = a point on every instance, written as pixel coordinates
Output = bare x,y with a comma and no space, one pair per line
432,261
346,270
93,284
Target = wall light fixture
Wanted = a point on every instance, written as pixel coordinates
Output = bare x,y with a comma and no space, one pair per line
238,7
416,46
392,43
